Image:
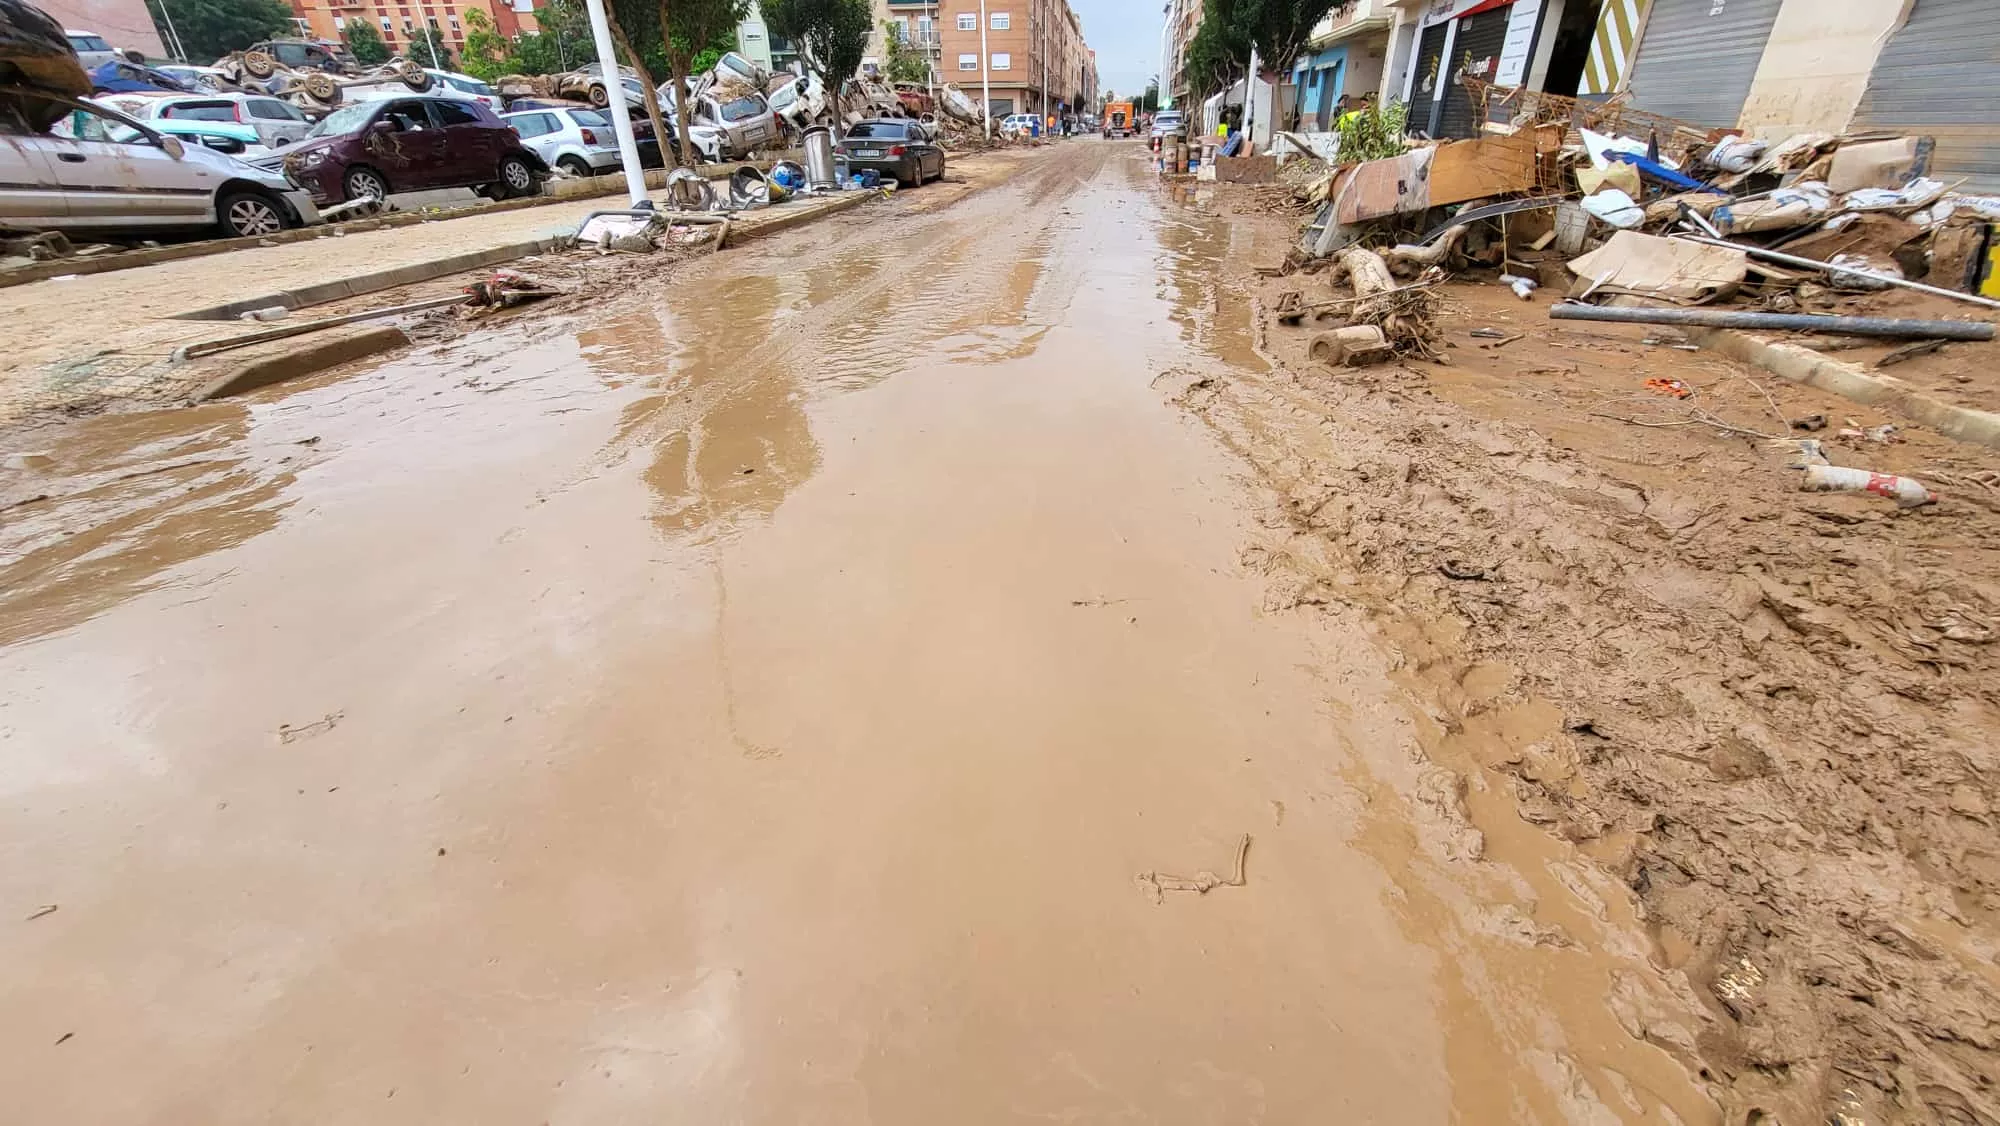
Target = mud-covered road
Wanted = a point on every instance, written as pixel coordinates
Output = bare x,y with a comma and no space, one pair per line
844,687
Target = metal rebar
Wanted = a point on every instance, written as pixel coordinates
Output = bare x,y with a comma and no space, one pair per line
1779,322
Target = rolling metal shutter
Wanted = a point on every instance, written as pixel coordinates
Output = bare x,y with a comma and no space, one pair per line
1426,77
1479,41
1934,79
1697,58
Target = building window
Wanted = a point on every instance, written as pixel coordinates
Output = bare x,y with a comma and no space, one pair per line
968,21
1002,60
386,25
1002,21
339,22
968,62
454,21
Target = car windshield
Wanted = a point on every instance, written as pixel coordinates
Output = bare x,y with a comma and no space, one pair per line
344,120
1166,118
892,130
471,86
736,109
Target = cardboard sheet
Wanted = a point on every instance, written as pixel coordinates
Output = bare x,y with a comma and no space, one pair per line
1672,270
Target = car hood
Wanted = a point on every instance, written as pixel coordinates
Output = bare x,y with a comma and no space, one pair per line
297,148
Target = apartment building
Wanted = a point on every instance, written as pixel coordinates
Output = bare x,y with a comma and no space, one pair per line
401,23
915,22
1183,19
1027,56
757,43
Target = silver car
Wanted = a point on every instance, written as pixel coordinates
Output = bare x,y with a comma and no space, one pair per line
94,169
581,142
91,49
276,121
745,121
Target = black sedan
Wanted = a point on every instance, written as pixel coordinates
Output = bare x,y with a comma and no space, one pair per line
893,146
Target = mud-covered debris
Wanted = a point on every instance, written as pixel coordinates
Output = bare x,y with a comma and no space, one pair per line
1156,884
1906,492
506,289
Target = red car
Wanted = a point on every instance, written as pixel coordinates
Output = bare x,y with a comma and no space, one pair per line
370,149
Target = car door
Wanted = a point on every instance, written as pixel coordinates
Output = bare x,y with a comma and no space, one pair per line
114,173
30,195
411,151
471,151
277,122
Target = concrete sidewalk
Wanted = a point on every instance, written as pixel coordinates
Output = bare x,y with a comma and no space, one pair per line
85,339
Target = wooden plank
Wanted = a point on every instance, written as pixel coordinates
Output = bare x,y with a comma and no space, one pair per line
1483,168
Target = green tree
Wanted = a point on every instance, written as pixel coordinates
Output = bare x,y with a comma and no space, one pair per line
907,63
1148,102
831,35
487,54
210,29
365,43
428,47
1281,28
695,29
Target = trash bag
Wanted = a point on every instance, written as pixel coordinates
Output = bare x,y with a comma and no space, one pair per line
35,52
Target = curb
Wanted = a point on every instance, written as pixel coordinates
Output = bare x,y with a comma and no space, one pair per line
744,231
380,279
1803,365
290,359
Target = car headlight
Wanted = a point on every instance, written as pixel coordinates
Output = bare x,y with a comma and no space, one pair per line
314,159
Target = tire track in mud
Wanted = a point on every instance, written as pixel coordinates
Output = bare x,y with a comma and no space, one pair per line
764,334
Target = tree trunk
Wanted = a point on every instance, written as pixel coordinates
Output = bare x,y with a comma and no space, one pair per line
1364,270
617,89
680,69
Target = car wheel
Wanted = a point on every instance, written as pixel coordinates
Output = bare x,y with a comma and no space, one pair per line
365,183
249,215
516,178
575,166
600,96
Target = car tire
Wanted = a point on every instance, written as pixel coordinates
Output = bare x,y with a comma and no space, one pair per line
600,96
249,214
516,179
575,166
361,181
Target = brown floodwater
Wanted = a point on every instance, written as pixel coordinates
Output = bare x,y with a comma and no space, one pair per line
801,693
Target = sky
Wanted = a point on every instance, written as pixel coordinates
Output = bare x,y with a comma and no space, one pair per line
1126,36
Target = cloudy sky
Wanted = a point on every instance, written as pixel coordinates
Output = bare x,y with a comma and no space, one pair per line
1126,36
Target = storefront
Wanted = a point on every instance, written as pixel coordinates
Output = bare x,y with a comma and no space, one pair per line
1320,79
1493,40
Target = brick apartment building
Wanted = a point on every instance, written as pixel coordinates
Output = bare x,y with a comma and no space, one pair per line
401,22
1035,58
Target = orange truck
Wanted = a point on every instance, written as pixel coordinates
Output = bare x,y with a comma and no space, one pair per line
1118,119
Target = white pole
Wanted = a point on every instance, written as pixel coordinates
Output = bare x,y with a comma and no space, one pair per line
985,74
173,43
1249,105
621,114
431,41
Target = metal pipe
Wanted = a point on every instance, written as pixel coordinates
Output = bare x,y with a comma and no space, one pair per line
1815,264
1779,322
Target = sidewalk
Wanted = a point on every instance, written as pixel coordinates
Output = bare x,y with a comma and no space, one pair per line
108,335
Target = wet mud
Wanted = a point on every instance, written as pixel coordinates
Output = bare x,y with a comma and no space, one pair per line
843,684
1767,714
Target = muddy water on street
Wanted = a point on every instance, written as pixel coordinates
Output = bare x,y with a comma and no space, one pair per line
799,696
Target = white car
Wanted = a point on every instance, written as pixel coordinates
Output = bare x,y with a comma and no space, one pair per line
97,170
581,142
91,49
450,83
277,122
1166,122
1017,124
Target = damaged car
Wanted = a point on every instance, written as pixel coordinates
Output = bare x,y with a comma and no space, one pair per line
70,165
366,150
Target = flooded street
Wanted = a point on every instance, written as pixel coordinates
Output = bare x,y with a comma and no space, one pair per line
813,692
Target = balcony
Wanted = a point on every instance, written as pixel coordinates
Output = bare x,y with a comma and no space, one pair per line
904,4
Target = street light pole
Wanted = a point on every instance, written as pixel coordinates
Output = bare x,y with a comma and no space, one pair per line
621,114
431,41
985,74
